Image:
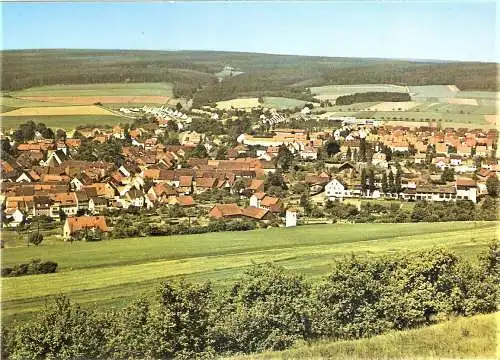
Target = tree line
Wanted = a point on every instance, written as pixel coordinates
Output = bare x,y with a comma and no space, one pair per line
268,308
372,96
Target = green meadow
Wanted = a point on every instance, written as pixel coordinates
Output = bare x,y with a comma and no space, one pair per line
109,89
111,272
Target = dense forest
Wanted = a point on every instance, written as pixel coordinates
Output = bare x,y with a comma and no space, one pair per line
372,96
193,72
269,308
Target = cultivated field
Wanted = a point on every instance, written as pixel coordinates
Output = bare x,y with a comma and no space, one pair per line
460,338
109,273
282,103
110,89
432,92
103,99
393,106
270,102
240,103
67,122
331,92
58,110
472,102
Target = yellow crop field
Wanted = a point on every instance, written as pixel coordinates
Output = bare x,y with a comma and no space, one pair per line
491,119
241,103
458,101
393,106
58,110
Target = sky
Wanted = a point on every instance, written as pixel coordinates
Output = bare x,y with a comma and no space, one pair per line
379,29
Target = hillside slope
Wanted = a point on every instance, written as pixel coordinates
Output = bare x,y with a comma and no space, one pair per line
193,73
473,337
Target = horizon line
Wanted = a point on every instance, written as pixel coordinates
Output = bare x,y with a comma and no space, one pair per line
259,53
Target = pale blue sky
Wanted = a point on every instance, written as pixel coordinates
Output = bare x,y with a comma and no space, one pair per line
417,30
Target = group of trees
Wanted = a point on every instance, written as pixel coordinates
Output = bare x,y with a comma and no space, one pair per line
422,211
268,308
34,267
372,96
28,130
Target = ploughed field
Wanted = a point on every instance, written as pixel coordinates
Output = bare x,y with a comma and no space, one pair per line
112,272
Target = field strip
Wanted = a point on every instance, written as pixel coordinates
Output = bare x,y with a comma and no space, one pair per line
106,99
93,278
58,110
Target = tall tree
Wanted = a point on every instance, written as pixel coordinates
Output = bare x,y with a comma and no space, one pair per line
385,186
371,181
284,158
492,185
390,183
363,181
397,182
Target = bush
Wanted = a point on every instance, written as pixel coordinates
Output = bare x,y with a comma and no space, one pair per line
34,267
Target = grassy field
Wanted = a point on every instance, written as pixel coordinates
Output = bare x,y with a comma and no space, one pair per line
431,92
67,122
110,89
109,273
473,337
331,92
282,103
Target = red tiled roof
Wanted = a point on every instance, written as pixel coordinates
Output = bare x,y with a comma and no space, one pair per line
87,222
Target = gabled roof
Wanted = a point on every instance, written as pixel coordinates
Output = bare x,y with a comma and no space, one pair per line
185,180
269,200
228,209
208,182
465,182
78,223
255,212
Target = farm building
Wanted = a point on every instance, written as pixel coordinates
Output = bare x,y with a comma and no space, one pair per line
76,224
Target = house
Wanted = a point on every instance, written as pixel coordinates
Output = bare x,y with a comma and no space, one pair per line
256,213
466,189
16,216
256,199
75,224
335,189
482,150
42,204
185,184
256,185
97,204
66,202
271,203
464,150
184,200
290,218
220,211
309,153
379,159
204,184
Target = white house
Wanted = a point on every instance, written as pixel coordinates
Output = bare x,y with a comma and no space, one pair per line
290,218
335,190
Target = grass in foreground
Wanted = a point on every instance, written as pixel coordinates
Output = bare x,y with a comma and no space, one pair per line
113,271
473,337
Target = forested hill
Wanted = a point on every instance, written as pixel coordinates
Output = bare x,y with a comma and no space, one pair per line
193,73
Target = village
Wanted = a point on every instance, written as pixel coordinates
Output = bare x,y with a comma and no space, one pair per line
268,175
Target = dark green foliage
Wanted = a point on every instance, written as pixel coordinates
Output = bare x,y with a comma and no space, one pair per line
493,186
284,158
267,309
35,238
34,267
448,175
372,96
61,331
27,131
